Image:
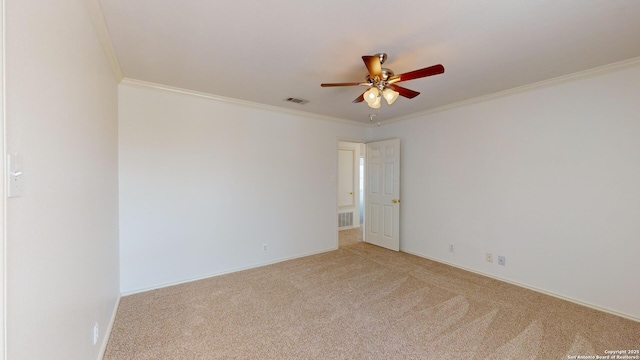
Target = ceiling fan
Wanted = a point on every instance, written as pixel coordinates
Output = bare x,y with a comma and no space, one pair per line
382,82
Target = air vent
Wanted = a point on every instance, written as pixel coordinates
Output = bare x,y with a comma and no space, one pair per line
345,220
296,100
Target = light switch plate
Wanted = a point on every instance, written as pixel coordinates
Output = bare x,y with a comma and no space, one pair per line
14,175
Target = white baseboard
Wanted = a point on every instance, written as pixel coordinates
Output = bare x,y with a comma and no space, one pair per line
561,297
126,293
107,334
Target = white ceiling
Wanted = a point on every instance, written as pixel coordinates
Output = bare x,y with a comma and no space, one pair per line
264,51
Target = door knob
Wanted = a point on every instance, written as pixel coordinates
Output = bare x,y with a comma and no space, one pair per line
351,193
395,201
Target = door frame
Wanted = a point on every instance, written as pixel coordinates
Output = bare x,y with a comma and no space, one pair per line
3,208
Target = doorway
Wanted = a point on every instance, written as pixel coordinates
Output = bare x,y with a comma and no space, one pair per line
351,183
381,210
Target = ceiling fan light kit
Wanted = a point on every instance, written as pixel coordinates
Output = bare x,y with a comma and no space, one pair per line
372,97
390,95
382,81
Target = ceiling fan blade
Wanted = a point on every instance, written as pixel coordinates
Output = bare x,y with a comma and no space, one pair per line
359,98
416,74
341,84
408,93
373,65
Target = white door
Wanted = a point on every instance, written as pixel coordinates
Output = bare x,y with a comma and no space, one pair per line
346,177
382,202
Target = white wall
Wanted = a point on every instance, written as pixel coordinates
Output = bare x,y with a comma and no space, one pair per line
62,234
204,184
549,178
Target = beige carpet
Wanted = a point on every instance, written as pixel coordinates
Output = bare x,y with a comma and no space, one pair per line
359,302
349,237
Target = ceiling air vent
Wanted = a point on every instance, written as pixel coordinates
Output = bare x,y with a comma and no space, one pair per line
296,100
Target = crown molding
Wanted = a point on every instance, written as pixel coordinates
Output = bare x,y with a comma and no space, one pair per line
520,89
176,90
97,17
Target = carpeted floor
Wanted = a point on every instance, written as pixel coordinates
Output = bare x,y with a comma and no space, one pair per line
349,237
360,302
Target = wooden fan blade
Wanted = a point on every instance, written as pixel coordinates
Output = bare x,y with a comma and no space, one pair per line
341,84
408,93
359,99
373,65
416,74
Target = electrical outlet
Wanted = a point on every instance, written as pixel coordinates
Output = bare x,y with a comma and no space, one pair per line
451,248
489,257
264,247
96,333
502,260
